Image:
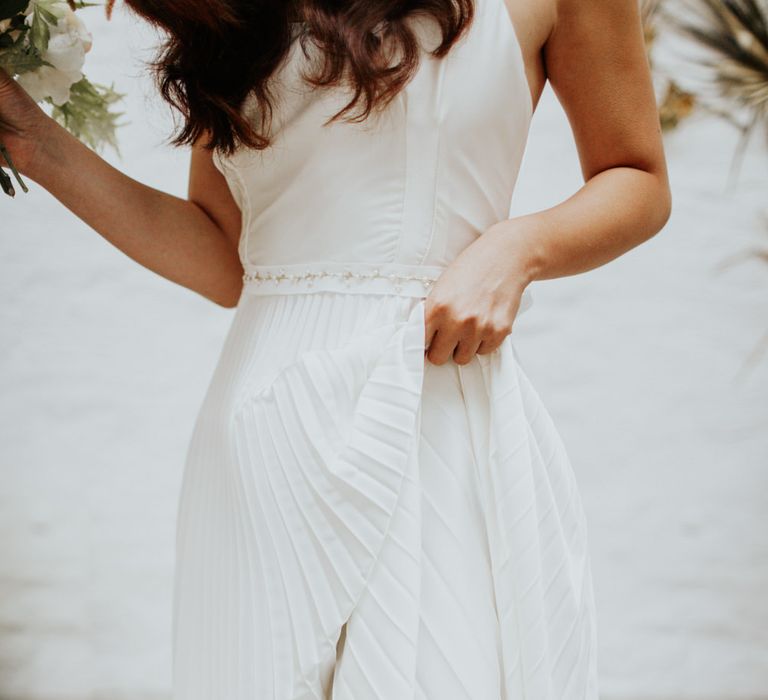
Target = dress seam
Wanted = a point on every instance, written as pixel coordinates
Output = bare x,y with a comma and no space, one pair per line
438,160
242,246
403,98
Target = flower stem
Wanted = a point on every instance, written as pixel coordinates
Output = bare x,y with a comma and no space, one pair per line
15,172
6,184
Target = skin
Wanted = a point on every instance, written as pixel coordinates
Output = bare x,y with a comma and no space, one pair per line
593,54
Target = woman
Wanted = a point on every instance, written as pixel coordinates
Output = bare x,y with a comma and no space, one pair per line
375,503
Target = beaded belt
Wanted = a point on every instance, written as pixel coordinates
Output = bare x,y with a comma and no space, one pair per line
357,277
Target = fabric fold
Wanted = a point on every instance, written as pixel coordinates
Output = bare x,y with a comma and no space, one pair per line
321,453
538,537
354,481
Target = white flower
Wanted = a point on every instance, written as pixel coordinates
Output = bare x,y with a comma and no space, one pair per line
49,82
73,26
68,44
66,49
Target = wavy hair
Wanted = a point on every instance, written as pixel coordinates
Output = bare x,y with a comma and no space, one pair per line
218,53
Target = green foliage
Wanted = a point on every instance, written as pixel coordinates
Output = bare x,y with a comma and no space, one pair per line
18,55
40,31
33,36
21,58
49,10
24,53
87,115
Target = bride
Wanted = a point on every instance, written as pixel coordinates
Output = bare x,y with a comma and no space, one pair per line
376,504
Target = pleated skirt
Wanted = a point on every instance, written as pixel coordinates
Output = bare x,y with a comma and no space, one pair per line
357,523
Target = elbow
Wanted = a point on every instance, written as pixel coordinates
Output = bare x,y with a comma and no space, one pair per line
665,206
660,205
228,298
228,303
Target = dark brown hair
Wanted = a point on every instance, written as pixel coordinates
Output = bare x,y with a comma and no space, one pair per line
218,53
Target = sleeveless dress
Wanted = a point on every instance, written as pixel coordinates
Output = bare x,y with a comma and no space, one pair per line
355,522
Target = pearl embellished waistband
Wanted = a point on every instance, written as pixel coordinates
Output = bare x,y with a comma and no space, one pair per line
357,277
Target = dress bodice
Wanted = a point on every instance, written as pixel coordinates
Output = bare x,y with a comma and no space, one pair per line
411,185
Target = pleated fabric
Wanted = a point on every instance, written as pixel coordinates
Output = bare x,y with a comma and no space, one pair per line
358,523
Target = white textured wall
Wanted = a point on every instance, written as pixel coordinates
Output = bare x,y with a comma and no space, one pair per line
642,364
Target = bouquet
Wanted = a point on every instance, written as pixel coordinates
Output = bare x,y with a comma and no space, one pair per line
43,45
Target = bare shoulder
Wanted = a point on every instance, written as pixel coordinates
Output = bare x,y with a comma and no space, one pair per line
533,22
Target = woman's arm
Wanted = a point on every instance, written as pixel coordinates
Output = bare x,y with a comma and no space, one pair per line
597,64
192,242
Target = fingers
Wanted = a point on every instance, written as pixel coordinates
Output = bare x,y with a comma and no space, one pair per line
465,351
447,344
486,347
441,348
450,336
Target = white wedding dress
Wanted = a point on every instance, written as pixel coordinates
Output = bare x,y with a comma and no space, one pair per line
356,522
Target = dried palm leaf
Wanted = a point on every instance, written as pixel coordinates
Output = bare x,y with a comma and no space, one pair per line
734,36
675,104
649,13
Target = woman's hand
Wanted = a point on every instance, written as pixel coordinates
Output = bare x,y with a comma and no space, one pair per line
472,305
22,123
